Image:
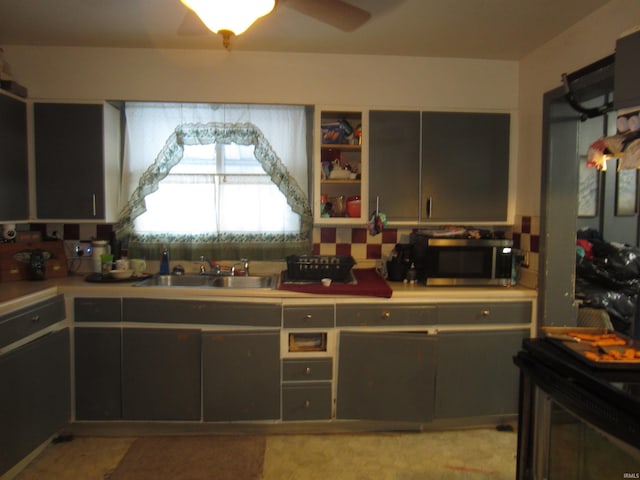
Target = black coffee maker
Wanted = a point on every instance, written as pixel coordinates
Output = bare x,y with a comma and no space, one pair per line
399,262
36,265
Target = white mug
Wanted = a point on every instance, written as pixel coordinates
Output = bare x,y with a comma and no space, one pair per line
122,264
138,265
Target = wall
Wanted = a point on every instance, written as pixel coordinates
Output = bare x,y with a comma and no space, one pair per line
587,41
342,81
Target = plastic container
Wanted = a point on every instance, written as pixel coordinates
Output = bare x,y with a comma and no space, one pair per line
353,207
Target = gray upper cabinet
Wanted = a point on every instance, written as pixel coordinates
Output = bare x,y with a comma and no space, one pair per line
439,166
394,168
465,166
627,72
77,161
14,175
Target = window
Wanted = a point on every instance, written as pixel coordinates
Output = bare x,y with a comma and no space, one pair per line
216,186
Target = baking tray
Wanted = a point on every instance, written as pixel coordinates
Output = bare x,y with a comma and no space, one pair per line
558,337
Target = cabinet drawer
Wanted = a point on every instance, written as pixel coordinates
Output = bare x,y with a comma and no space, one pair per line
362,315
97,310
473,313
24,322
200,312
308,317
307,369
306,402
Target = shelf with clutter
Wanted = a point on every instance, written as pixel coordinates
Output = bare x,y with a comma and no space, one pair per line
341,163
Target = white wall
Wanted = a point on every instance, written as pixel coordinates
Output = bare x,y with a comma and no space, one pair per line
182,75
589,40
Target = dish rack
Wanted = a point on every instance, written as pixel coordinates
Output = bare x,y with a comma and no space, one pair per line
317,267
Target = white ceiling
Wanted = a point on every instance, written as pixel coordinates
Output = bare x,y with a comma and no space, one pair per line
487,29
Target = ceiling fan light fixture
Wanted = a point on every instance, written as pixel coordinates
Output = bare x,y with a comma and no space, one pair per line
234,16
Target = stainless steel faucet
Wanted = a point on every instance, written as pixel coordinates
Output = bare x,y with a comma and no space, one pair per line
207,267
245,267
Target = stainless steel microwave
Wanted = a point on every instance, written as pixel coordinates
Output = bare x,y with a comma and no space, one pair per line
464,262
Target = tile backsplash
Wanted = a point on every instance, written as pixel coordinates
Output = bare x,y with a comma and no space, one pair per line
365,248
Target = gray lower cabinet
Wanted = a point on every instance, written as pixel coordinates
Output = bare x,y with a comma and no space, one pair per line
386,376
151,310
241,375
476,374
306,389
92,309
160,374
34,404
98,373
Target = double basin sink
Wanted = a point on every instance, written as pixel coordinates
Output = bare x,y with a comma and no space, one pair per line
211,281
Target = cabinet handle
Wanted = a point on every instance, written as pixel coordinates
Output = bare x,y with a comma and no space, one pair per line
429,205
485,312
307,371
385,315
307,404
35,318
93,203
308,316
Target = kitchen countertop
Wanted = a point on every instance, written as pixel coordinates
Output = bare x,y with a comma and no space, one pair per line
14,295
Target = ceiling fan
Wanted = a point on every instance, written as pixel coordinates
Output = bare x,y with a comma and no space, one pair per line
337,13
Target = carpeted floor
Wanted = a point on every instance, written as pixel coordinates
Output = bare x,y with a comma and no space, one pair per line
463,454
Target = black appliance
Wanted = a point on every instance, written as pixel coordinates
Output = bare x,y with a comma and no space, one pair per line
464,261
399,262
36,265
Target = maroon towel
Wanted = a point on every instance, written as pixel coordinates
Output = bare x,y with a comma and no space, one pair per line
370,284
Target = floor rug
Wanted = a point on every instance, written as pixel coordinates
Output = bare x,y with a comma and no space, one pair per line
210,457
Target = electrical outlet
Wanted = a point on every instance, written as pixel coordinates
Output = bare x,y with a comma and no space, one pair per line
75,248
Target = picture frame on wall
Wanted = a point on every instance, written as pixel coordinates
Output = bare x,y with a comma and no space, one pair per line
626,192
588,189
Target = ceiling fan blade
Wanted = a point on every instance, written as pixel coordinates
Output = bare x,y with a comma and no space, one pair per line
337,13
192,25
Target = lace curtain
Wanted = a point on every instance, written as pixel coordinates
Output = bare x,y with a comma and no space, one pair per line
156,135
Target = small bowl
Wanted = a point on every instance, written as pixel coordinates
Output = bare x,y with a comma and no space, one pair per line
326,282
120,274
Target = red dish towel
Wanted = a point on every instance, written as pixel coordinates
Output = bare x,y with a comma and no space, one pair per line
370,284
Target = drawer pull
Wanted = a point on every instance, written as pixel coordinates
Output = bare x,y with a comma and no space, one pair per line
307,404
307,371
485,312
385,314
308,316
35,318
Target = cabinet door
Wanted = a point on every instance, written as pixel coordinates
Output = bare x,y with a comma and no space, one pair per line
394,164
14,175
465,166
241,375
627,72
97,370
476,373
386,376
34,404
160,374
69,161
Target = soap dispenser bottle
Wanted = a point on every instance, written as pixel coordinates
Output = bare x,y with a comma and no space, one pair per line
164,261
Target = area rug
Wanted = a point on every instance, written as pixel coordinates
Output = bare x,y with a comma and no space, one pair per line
214,457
